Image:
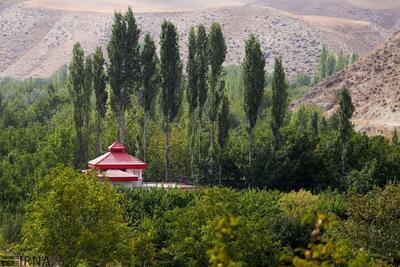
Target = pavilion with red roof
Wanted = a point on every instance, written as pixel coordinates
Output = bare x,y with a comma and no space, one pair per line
119,167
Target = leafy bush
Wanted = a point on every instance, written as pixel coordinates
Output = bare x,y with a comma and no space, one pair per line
323,252
77,219
373,222
298,204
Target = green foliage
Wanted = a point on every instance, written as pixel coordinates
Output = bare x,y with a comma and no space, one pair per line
254,79
298,204
192,90
323,252
171,78
342,62
303,79
171,71
322,62
150,74
99,84
10,228
223,130
124,66
76,218
373,222
329,63
38,131
395,137
224,233
202,61
279,100
150,83
79,92
191,70
346,110
217,54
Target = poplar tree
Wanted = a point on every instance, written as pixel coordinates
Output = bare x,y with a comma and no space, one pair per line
322,62
395,137
87,93
192,90
150,83
223,130
171,77
99,83
1,102
76,90
279,101
346,110
124,67
254,78
202,62
217,55
330,64
314,124
87,90
342,62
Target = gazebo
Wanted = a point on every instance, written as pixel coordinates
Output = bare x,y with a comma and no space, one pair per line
119,167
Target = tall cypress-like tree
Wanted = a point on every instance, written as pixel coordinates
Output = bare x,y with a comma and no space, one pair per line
342,62
171,78
223,130
124,67
395,137
150,83
202,62
76,90
254,78
322,62
330,64
217,55
315,124
279,101
99,83
88,89
192,91
346,110
1,102
87,93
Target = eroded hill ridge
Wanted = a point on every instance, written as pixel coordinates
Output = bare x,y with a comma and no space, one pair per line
35,41
374,84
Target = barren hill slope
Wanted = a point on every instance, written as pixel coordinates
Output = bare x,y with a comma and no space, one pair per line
384,13
36,36
374,84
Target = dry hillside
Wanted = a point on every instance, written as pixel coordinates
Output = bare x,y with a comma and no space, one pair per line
374,83
37,36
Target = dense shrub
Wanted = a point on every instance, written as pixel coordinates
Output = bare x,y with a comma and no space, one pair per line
373,222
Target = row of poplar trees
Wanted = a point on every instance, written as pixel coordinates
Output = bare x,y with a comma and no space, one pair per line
131,70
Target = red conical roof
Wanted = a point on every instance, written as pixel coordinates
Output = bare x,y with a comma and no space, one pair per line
116,146
116,158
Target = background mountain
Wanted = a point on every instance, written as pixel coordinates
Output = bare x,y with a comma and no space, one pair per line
36,36
374,83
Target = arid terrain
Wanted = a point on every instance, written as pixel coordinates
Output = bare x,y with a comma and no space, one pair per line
374,84
36,36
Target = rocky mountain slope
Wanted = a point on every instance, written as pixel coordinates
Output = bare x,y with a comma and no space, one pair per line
374,84
36,36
